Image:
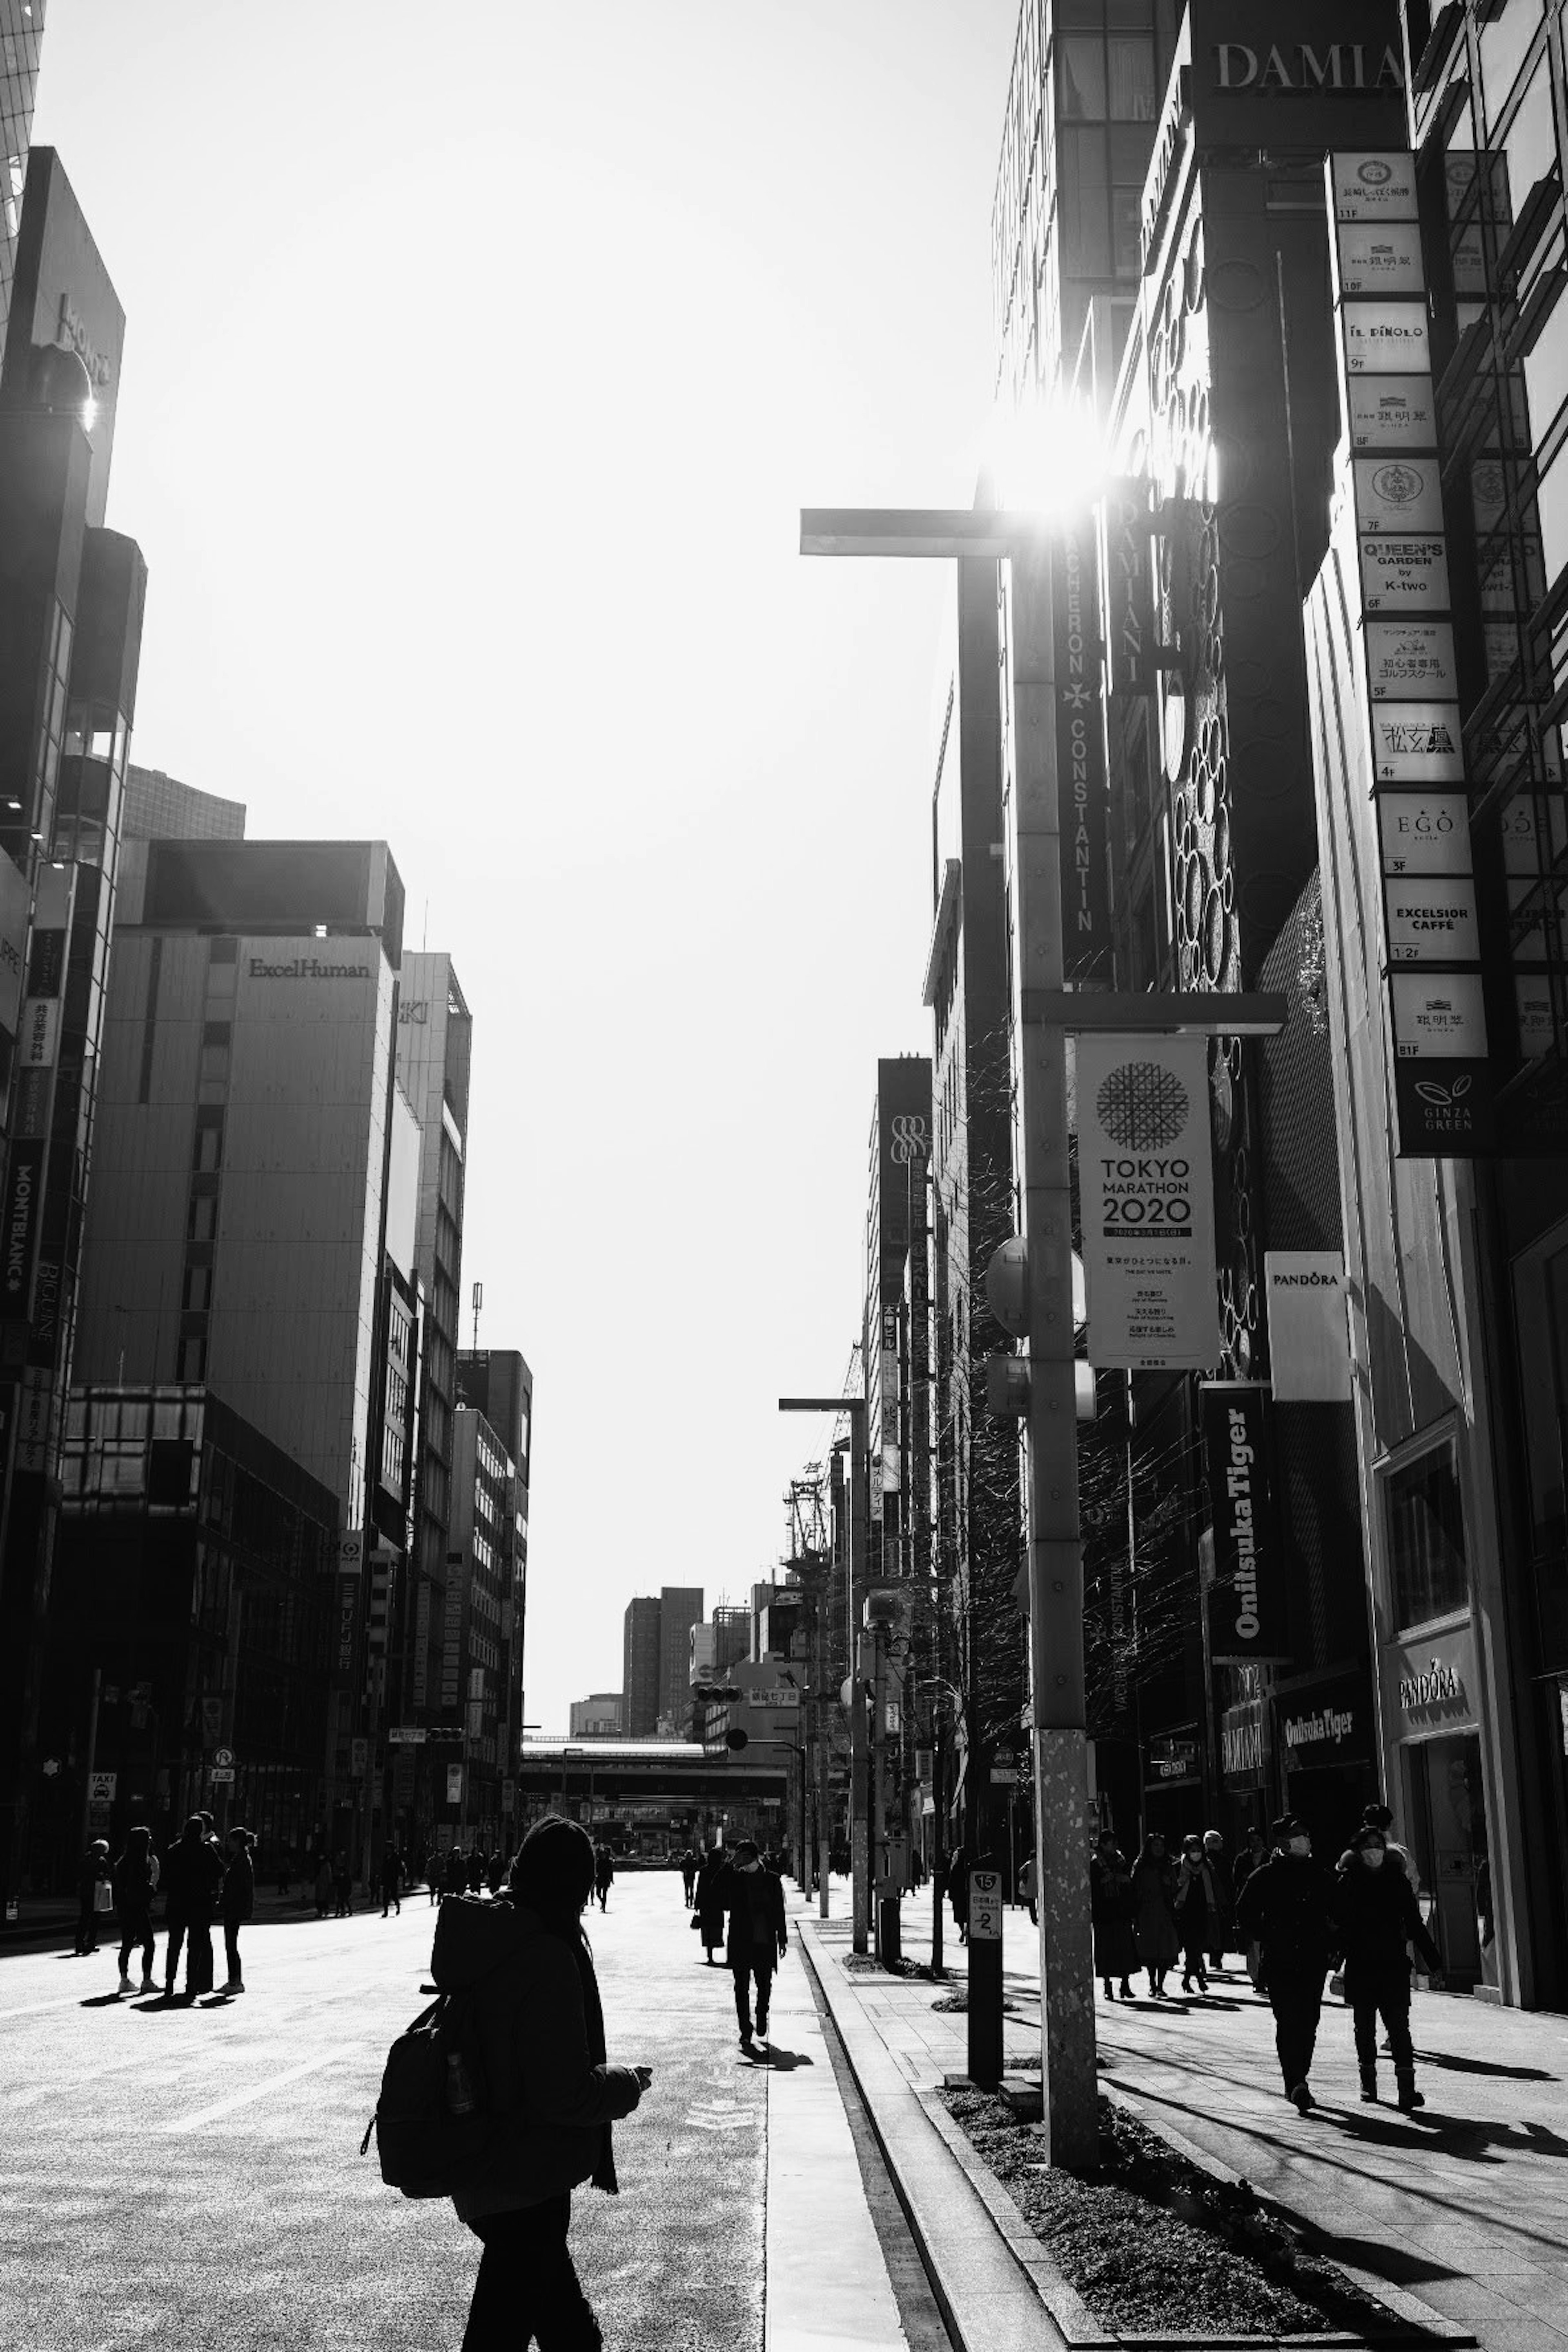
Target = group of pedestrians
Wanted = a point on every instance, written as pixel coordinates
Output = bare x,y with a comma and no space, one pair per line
1153,1912
205,1880
737,1902
1294,1919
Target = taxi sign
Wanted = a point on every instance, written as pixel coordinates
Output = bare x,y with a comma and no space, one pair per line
984,1906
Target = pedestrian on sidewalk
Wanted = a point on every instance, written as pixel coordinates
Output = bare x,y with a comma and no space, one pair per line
477,1869
343,1890
526,1963
752,1898
1288,1909
455,1876
604,1872
1111,1904
133,1887
1222,1921
1027,1894
324,1888
1153,1912
90,1906
193,1874
1196,1904
239,1901
1377,1919
709,1912
957,1877
688,1876
391,1876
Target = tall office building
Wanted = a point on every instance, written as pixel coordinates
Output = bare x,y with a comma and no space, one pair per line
21,39
71,598
252,1137
158,807
433,1054
639,1668
680,1608
485,1607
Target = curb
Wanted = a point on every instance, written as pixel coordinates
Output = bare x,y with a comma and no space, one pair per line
1042,2308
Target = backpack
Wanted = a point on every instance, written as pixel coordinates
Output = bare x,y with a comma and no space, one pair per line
431,2122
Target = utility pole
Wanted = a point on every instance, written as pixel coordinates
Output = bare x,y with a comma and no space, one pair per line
1044,1012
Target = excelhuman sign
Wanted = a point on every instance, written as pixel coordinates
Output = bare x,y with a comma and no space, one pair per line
1146,1187
306,968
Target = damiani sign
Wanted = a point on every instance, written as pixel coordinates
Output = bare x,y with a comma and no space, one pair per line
1298,65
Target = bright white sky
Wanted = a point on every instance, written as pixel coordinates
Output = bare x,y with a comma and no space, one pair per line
479,360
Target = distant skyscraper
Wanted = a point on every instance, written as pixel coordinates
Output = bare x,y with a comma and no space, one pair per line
681,1608
598,1716
639,1676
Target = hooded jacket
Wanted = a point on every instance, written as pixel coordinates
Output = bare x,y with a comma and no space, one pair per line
542,2035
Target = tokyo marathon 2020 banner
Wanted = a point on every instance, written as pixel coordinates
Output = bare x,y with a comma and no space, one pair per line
1146,1189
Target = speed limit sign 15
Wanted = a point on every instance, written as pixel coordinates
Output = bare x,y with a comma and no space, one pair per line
984,1906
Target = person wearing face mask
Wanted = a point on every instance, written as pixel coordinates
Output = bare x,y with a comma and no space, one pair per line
1287,1906
1378,1918
758,1938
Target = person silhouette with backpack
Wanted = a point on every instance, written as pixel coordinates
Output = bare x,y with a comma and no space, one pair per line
523,1962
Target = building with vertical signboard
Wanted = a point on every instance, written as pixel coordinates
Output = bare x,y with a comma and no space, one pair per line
895,1321
1435,634
483,1629
1336,380
21,41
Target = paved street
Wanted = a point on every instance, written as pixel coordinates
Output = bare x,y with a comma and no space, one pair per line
191,2177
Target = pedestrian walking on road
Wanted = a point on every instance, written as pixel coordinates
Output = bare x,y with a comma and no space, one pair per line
324,1888
688,1876
526,1962
92,1906
1026,1889
1377,1919
193,1875
604,1873
1287,1907
476,1878
710,1913
1379,1817
133,1887
239,1901
752,1898
343,1887
1153,1912
455,1876
1196,1905
1222,1918
391,1876
1112,1903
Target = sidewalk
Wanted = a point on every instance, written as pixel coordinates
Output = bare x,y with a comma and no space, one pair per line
47,1919
1463,2207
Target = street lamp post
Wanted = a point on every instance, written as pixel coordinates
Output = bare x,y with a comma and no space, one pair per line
1044,1012
860,1788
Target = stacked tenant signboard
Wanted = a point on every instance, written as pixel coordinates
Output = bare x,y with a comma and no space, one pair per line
1432,926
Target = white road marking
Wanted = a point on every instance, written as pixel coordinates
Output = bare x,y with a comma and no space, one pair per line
260,2090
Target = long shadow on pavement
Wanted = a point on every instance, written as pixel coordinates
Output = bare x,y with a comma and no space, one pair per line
1484,2066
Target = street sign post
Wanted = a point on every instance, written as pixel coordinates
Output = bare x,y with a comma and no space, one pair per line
100,1788
985,1978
